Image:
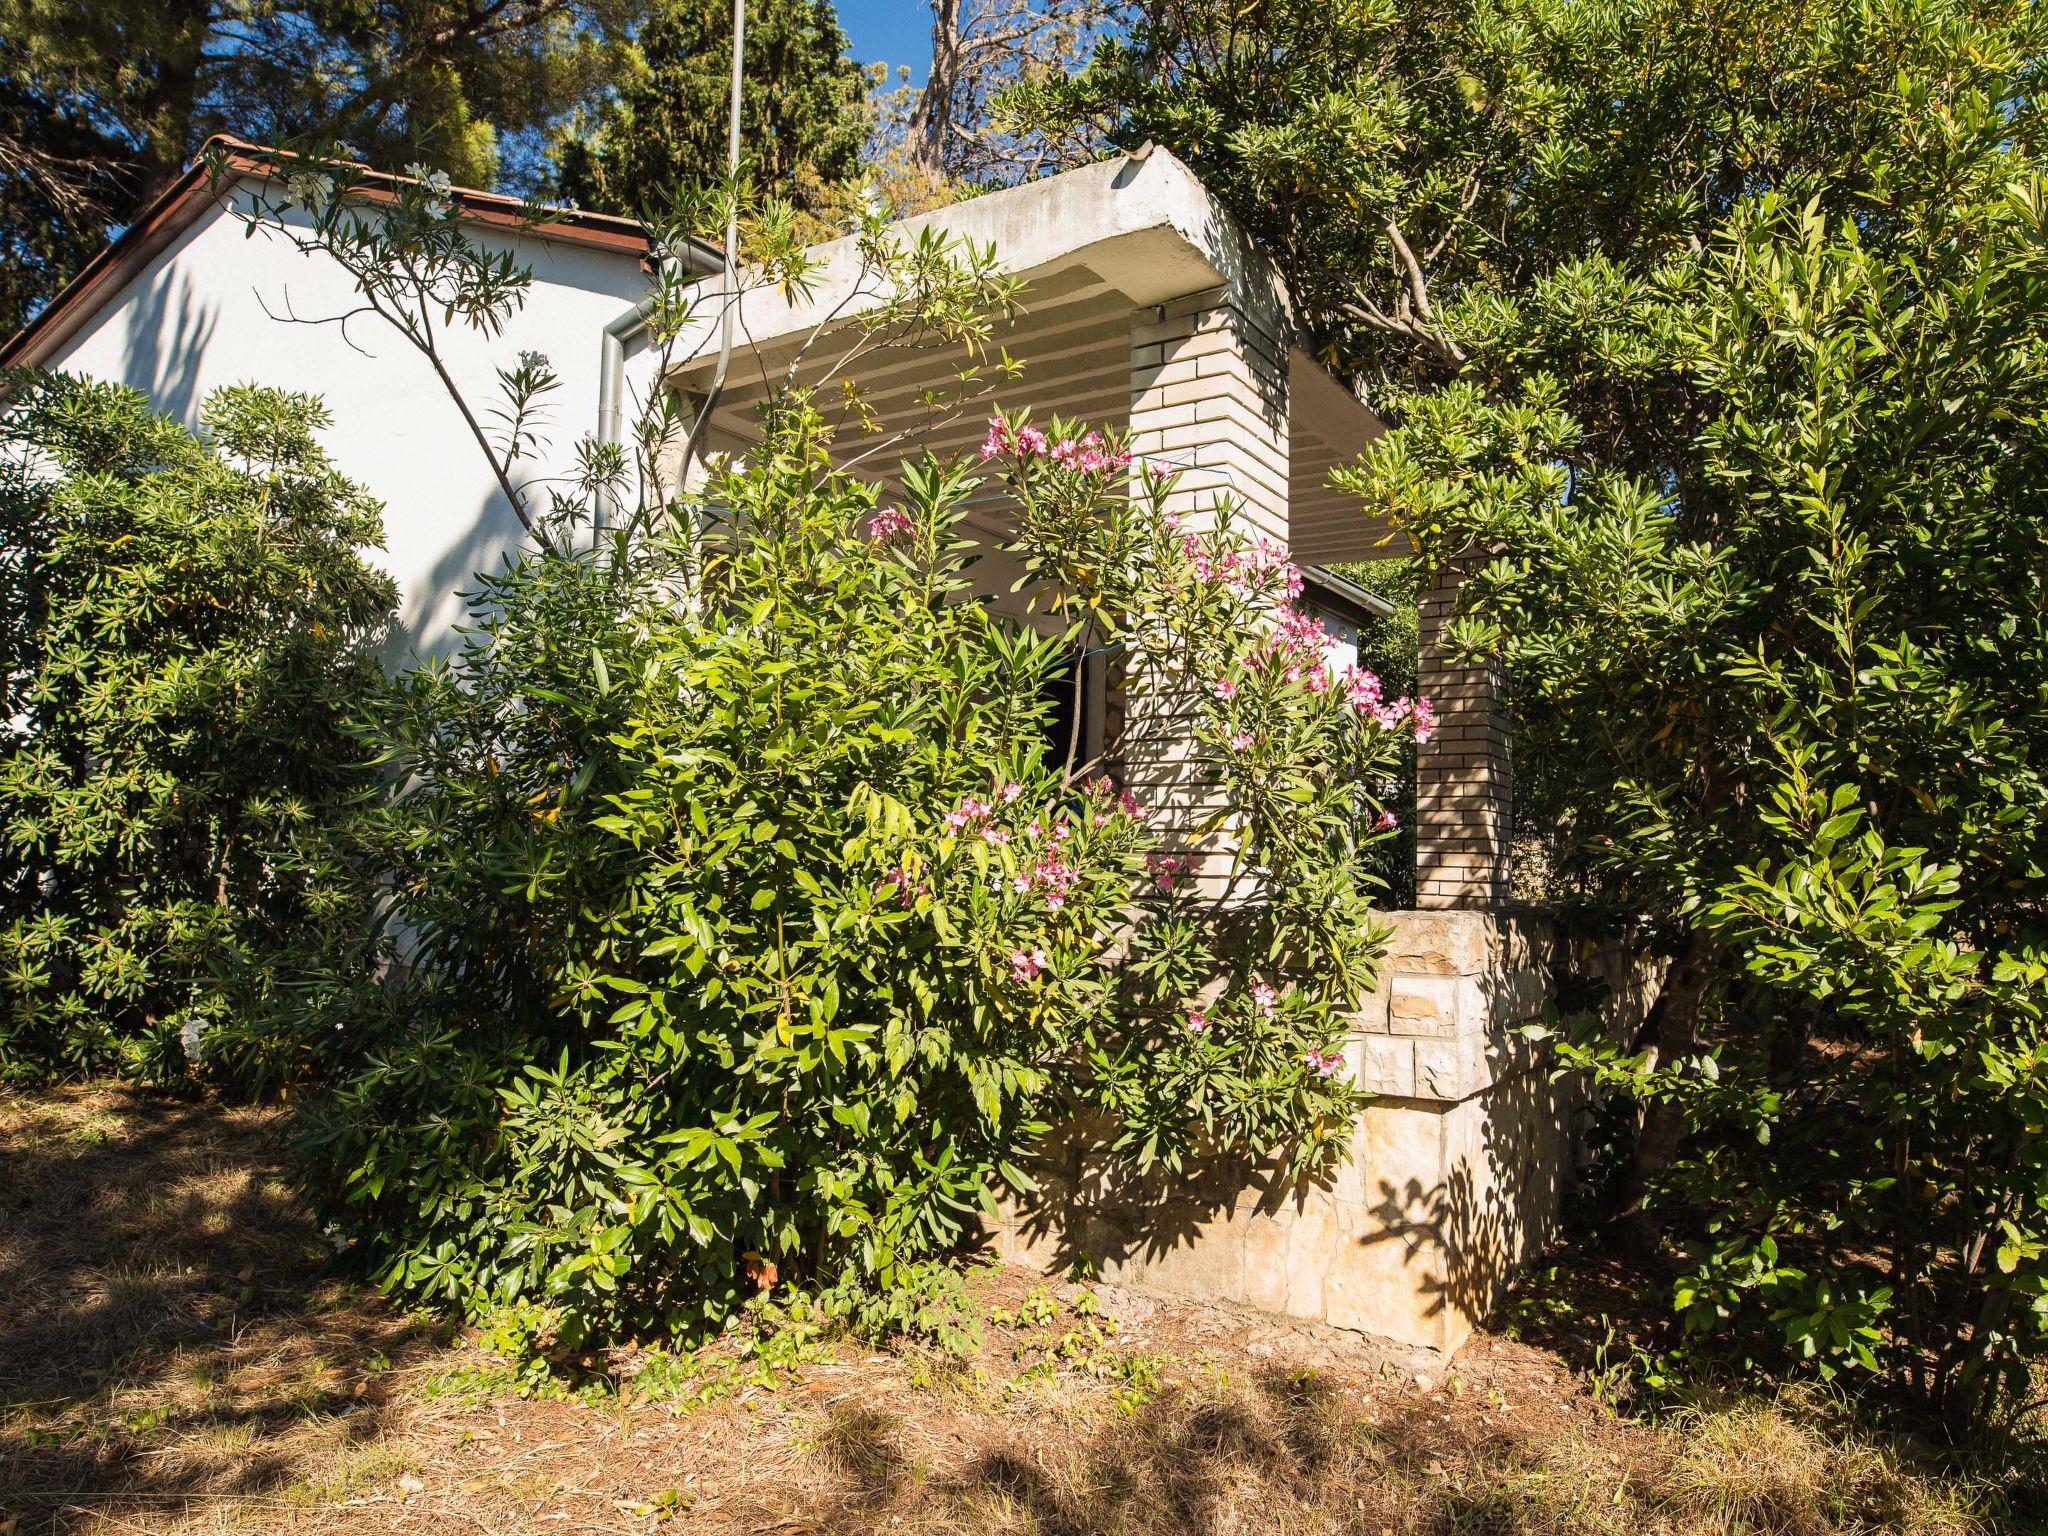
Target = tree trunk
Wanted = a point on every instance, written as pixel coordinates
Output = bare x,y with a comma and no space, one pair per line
931,120
1964,1393
173,94
1674,1029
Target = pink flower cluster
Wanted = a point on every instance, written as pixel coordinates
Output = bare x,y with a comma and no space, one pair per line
1323,1063
1001,439
1025,964
970,812
1087,454
1386,821
1103,788
1301,645
1167,868
889,525
1051,876
1198,1021
1362,692
1241,569
1264,998
903,882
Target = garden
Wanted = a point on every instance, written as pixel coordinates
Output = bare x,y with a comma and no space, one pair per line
567,1079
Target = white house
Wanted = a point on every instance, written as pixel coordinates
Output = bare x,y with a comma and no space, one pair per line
1146,309
185,301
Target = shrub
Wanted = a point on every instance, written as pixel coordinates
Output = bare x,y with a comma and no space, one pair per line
186,621
1804,713
756,930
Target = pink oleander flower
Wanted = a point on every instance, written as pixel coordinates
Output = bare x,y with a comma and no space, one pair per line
1425,720
1302,633
1386,821
1030,441
1009,792
1128,804
1000,836
1172,519
1209,566
1198,1022
1070,450
1025,964
1034,829
1323,1063
997,441
888,525
1392,714
1166,868
899,880
1241,741
1264,998
969,811
1361,689
1051,876
1226,690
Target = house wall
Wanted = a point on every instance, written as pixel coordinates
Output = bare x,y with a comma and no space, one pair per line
1456,1167
207,311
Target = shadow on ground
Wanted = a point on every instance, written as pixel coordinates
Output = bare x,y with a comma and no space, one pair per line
171,1334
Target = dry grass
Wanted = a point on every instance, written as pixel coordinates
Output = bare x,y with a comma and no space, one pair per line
174,1358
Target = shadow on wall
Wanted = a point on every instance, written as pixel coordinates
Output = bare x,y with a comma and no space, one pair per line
1456,1174
1413,1240
435,603
168,334
1460,1235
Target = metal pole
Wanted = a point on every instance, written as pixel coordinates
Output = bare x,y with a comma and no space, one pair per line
729,284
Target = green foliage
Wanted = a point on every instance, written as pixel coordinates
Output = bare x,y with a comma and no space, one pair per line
1711,344
756,930
1816,693
662,130
185,623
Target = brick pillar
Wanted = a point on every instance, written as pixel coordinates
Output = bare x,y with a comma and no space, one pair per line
1209,398
1209,394
1462,795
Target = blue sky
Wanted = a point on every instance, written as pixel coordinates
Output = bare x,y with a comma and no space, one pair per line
894,31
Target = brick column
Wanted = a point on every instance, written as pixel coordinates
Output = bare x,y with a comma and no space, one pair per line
1462,795
1209,394
1209,399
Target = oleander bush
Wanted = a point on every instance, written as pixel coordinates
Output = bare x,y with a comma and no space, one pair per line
747,925
185,621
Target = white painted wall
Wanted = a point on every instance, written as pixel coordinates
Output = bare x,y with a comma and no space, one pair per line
195,319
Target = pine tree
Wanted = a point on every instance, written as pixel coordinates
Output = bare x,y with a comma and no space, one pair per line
664,129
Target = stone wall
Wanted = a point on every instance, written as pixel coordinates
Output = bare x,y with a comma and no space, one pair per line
1455,1174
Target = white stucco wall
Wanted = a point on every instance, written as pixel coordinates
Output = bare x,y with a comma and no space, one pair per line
195,319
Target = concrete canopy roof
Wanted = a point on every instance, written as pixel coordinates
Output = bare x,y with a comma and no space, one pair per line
1107,239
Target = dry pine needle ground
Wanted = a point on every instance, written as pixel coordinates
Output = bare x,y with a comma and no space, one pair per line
177,1355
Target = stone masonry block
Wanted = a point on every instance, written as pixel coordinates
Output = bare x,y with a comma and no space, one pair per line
1449,1070
1434,1007
1389,1066
1442,943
